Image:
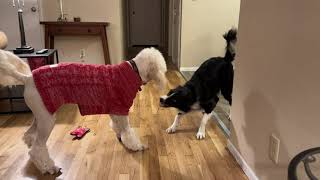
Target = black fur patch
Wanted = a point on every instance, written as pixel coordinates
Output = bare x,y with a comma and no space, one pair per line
214,75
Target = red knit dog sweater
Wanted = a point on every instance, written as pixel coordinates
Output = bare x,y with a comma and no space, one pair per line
97,89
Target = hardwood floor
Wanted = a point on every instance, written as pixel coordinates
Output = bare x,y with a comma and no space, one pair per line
99,155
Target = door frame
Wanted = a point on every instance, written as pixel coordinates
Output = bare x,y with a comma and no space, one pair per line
174,43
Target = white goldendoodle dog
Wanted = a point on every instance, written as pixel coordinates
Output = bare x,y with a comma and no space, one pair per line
149,65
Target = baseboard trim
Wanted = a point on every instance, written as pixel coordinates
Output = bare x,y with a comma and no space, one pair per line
244,166
224,128
188,68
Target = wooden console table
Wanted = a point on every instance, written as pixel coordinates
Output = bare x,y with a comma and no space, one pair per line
76,29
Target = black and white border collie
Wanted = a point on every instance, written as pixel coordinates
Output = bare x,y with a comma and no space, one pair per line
201,91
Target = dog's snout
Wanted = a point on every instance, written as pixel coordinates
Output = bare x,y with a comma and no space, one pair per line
161,100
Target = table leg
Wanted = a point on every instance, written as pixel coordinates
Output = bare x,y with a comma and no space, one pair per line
46,37
57,57
10,100
104,39
47,60
51,46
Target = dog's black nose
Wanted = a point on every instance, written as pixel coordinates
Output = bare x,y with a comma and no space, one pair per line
161,100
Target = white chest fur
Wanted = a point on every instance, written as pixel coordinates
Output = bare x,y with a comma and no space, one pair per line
196,106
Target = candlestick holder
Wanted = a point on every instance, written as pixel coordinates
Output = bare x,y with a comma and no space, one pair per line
23,49
62,16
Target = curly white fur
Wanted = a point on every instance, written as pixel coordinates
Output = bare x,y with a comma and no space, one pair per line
120,124
152,66
13,70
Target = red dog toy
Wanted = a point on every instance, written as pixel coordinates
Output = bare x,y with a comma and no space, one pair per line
79,132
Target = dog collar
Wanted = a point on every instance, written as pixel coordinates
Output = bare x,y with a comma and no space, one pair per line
135,68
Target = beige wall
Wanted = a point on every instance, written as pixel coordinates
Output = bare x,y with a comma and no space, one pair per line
277,87
203,24
94,10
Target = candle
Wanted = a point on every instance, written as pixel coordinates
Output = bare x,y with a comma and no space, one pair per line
18,4
61,9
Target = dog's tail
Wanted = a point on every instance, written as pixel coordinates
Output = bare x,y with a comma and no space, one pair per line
231,38
13,70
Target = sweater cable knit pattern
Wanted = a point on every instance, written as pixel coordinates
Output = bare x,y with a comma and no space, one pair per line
97,89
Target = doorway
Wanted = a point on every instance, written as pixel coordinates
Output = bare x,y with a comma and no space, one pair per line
146,25
174,44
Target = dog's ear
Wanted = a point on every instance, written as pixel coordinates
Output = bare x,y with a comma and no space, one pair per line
170,92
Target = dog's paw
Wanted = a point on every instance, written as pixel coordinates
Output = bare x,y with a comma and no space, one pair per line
139,147
46,167
54,170
40,158
201,135
171,130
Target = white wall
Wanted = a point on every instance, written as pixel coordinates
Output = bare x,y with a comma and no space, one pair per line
277,87
94,10
203,24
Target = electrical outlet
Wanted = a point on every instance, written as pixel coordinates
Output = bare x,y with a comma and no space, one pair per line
274,147
82,53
